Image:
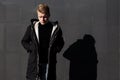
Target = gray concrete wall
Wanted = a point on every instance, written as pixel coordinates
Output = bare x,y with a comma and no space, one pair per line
100,18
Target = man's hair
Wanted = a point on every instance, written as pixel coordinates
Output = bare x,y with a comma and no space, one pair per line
43,8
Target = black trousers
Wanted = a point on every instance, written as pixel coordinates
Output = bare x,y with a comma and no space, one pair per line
47,72
43,71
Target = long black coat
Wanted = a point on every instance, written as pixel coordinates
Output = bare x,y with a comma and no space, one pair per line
30,43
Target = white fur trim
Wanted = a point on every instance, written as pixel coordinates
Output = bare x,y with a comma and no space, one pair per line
54,27
36,30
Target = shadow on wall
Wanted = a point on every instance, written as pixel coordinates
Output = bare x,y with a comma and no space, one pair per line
83,59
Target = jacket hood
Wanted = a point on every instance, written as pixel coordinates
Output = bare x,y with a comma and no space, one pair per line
34,20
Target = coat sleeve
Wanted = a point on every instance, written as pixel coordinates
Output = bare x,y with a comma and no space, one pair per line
60,41
26,40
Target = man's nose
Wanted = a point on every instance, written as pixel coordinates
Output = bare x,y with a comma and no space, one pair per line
42,18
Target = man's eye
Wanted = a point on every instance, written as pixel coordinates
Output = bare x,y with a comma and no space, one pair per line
43,17
40,17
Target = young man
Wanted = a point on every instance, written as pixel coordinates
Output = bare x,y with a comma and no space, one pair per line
42,40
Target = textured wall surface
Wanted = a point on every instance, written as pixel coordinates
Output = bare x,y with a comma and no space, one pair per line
100,18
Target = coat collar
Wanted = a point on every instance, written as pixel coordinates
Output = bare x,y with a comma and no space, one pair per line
55,26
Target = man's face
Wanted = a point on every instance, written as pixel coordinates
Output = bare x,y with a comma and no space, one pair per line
43,18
